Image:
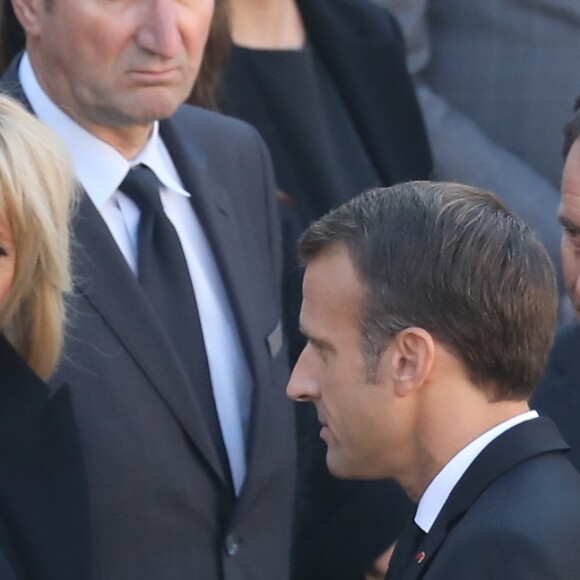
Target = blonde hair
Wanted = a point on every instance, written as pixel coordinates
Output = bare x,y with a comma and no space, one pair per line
37,189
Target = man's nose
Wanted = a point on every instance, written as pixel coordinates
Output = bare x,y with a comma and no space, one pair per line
159,32
303,386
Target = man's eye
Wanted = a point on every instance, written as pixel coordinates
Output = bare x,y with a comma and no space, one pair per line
572,233
323,354
319,350
3,252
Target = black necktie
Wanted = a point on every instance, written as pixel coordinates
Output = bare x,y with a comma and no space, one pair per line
405,550
164,276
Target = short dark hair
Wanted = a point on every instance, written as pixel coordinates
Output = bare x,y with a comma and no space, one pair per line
453,260
572,129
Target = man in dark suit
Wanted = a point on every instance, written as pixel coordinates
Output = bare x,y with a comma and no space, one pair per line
558,394
188,437
429,310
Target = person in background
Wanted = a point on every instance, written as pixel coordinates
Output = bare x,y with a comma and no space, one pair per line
494,84
175,354
326,85
44,518
429,310
558,395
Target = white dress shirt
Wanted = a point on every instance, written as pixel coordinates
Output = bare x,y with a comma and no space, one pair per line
439,489
100,169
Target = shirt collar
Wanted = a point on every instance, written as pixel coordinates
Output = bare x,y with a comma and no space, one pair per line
99,167
439,489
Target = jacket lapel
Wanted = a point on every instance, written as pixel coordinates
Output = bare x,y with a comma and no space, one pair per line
516,445
103,277
213,207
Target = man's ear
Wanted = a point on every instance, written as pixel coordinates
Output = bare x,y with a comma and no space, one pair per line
412,354
28,12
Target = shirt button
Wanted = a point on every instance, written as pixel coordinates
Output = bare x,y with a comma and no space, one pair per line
231,545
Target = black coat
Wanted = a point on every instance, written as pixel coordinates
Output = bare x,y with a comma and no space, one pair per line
44,509
558,394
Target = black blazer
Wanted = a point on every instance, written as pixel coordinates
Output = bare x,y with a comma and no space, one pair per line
514,515
558,394
162,505
44,509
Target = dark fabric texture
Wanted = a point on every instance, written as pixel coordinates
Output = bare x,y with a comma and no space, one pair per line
44,504
558,394
406,549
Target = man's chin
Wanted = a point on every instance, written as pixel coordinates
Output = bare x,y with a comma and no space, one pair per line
338,467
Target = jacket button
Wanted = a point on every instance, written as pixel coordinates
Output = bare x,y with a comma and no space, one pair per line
231,545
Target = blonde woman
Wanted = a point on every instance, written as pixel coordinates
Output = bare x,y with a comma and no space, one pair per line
43,506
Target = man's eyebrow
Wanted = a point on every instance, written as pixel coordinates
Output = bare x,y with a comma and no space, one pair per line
569,224
319,343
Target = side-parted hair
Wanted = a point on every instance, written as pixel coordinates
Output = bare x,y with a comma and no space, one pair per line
37,189
450,259
572,129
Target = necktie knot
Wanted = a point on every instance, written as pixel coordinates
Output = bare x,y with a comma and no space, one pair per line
142,186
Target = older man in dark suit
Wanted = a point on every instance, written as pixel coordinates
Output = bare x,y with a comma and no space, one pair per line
175,355
429,310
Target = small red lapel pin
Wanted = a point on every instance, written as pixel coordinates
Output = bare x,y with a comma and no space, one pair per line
420,557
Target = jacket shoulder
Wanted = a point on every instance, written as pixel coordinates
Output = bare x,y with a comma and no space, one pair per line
209,126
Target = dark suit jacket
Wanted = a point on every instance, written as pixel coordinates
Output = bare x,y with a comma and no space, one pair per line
558,394
162,504
44,509
514,515
341,526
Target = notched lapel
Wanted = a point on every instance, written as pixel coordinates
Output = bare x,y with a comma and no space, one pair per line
214,208
103,277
